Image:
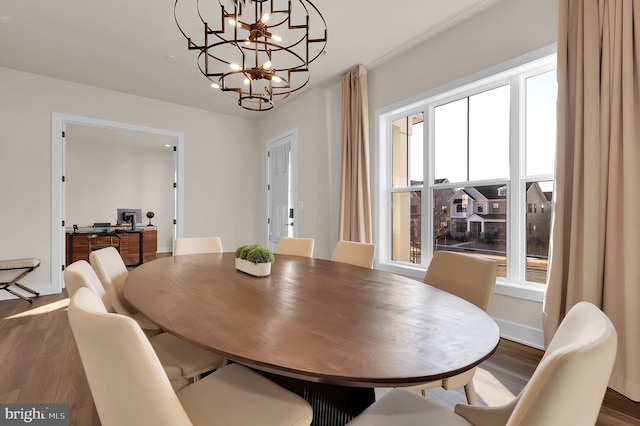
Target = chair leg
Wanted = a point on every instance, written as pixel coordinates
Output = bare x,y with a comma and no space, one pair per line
25,288
6,285
26,299
424,392
470,391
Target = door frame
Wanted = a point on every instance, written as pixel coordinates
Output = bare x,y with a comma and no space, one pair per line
58,123
293,170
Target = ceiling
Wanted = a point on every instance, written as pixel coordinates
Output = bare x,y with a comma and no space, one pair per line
134,46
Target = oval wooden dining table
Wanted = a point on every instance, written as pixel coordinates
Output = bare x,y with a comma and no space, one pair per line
314,319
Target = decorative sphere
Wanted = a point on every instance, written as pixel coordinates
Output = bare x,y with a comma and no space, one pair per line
150,214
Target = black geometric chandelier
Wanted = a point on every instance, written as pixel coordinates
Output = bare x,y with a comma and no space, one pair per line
257,51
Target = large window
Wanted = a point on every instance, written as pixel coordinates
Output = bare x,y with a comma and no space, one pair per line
471,170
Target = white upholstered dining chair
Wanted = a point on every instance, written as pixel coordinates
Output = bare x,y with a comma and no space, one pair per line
182,361
354,253
469,277
112,272
129,387
567,387
295,246
194,245
80,274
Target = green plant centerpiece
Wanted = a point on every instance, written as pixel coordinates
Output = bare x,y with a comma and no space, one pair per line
254,259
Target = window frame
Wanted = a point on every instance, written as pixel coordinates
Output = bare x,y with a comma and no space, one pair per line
514,72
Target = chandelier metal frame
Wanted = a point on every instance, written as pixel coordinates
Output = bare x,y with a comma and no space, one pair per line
245,56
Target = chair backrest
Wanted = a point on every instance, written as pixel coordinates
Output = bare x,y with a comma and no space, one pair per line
95,242
101,227
127,381
295,246
359,254
112,273
469,277
80,274
570,382
184,245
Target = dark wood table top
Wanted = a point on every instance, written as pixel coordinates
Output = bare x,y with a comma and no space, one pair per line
315,319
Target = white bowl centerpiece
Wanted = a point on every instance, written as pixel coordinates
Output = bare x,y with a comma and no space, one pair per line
254,259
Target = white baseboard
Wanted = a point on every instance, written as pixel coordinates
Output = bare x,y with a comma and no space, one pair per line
522,334
164,250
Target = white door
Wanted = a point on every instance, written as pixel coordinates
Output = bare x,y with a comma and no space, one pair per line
281,219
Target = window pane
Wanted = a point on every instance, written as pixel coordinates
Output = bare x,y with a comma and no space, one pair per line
407,228
538,220
450,126
416,156
489,134
408,151
472,220
442,203
541,123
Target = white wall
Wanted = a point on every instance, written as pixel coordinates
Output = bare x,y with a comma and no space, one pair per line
314,116
506,30
220,156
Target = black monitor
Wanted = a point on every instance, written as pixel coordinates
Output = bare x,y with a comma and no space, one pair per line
132,216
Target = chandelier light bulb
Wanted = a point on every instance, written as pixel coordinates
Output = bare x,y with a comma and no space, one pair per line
267,65
264,18
235,67
232,22
215,85
276,79
246,81
247,42
276,37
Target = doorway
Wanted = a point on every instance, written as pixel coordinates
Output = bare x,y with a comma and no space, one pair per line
60,122
282,194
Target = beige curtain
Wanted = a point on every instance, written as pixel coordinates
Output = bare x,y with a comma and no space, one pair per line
355,197
595,255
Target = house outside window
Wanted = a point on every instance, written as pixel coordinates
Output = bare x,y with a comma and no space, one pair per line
477,159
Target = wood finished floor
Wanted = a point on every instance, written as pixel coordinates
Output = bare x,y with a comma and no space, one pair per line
40,364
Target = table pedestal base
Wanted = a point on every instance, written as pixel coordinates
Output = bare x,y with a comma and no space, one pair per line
333,405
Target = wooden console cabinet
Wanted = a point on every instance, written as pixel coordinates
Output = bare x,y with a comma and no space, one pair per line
132,249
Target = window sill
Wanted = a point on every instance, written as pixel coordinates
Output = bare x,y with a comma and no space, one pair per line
406,270
527,291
